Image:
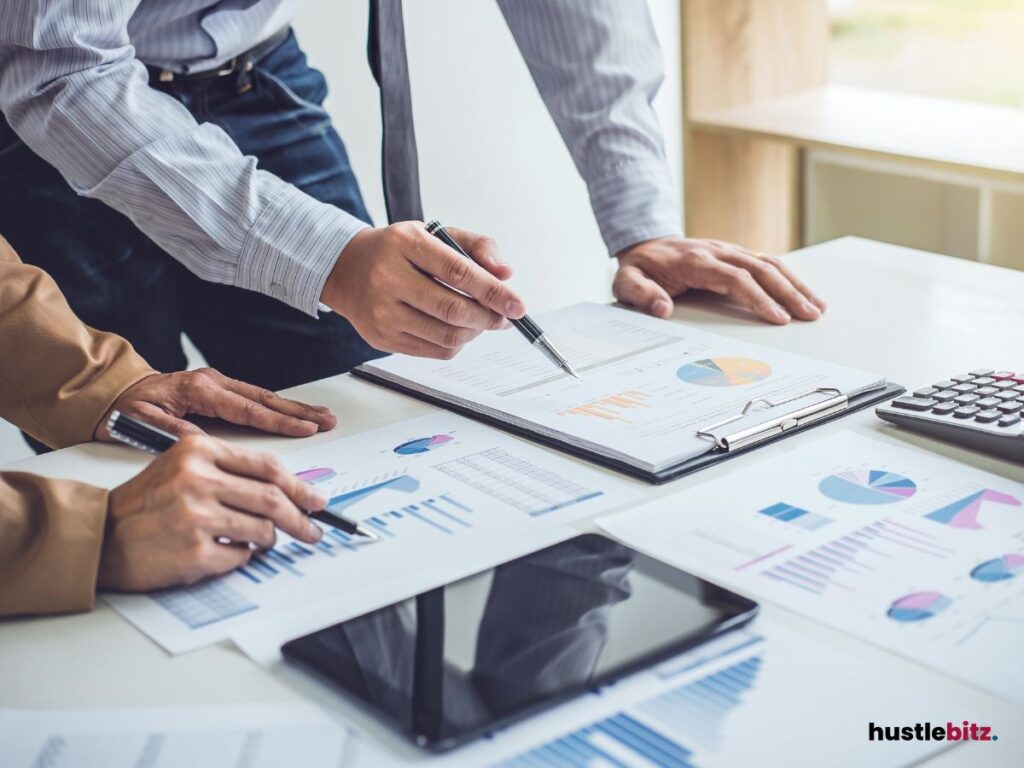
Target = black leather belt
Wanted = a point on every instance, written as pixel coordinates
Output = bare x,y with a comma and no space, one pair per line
242,63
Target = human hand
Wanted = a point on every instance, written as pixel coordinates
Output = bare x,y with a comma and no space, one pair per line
653,272
164,399
395,285
168,524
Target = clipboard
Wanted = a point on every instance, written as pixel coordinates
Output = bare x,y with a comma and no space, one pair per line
759,422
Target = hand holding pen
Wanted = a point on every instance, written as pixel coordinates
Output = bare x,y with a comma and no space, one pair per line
525,324
250,493
406,291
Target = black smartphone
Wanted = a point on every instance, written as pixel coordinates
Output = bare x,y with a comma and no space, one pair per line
478,654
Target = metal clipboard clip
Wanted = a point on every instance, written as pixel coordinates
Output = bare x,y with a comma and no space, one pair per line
826,401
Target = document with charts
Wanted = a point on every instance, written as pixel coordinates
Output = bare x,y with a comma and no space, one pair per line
447,497
915,553
648,385
250,735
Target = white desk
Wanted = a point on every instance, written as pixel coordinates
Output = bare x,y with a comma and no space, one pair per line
915,317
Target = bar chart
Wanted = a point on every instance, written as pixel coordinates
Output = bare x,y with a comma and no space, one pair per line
839,563
663,731
611,408
787,513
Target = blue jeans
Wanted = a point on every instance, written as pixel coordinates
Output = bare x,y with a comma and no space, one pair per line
116,279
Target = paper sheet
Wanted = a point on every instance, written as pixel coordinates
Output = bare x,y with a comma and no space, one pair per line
253,736
648,387
915,553
447,497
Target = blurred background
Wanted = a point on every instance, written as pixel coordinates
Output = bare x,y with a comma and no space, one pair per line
954,49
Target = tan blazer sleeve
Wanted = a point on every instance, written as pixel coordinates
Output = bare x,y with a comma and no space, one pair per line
51,537
58,377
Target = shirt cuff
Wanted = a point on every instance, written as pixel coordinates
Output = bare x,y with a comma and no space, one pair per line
636,202
291,249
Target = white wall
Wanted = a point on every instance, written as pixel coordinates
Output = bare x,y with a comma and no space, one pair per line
491,159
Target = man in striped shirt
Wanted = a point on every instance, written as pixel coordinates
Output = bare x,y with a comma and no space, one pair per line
170,164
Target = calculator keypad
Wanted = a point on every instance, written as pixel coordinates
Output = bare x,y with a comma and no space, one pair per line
983,396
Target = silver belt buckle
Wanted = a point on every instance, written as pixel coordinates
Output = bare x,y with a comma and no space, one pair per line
228,68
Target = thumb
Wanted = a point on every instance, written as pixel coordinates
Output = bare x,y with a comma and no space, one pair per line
635,287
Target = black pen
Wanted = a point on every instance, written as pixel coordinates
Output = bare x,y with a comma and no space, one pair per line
525,325
146,437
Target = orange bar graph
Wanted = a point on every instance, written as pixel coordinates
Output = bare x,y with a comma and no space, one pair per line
608,408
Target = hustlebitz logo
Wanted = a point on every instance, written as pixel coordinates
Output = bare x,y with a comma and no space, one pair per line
966,731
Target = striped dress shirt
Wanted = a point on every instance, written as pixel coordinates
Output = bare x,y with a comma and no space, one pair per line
74,88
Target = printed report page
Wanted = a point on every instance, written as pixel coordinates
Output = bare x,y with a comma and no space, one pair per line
648,385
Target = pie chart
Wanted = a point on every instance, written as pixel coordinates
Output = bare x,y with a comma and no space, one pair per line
999,569
867,486
918,606
422,444
724,372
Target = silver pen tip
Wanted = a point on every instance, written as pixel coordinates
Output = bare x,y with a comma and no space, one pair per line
569,369
364,531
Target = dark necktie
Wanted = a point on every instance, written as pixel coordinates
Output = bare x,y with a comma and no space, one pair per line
390,65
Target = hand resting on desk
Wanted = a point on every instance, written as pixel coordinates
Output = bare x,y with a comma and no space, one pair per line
653,272
164,399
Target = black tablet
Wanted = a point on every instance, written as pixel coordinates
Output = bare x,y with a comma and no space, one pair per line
459,661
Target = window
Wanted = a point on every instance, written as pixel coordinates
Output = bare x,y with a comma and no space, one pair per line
956,49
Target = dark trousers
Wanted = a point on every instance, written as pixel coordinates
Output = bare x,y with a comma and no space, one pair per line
116,279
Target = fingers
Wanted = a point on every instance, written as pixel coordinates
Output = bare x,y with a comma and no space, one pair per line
426,328
778,286
262,507
408,344
243,528
633,286
451,308
161,419
793,278
484,251
220,558
300,414
266,468
239,409
451,268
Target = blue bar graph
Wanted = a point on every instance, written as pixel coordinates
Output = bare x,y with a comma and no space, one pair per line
442,514
604,743
704,704
653,732
838,563
787,513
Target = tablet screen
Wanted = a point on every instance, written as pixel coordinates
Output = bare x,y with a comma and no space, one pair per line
468,657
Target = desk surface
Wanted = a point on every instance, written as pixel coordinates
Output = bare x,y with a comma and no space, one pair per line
913,316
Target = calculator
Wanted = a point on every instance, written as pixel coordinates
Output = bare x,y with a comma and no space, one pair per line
983,409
